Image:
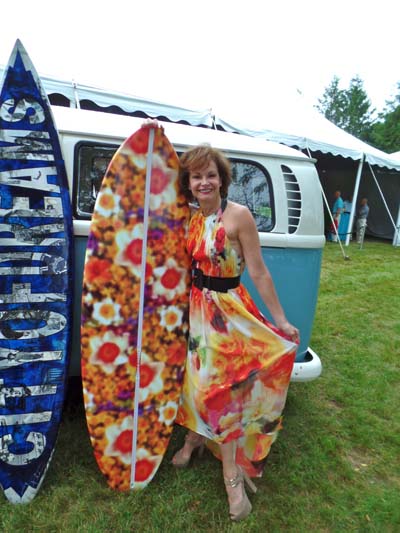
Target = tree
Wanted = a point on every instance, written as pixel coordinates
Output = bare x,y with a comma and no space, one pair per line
333,102
350,109
358,112
385,133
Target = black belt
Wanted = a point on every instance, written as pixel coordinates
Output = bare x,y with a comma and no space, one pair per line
214,283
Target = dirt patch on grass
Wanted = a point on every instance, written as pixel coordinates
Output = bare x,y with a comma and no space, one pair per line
335,405
359,461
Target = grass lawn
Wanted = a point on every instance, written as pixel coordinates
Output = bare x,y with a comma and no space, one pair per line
334,468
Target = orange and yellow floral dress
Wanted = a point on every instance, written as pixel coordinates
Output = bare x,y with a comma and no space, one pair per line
239,364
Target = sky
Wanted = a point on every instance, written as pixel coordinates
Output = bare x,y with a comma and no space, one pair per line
218,54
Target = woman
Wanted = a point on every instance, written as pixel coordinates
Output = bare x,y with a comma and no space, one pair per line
239,364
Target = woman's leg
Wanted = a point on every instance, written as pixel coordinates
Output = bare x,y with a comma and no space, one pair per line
230,471
228,453
234,477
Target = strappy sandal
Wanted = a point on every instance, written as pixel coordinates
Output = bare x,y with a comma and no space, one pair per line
241,509
193,442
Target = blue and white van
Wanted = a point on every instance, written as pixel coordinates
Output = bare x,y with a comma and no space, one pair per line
279,184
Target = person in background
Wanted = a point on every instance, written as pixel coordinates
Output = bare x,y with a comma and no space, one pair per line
343,227
337,210
347,205
362,215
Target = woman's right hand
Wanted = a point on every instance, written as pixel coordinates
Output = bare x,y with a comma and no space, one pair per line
152,123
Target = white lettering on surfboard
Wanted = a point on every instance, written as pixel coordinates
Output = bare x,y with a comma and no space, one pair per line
26,391
25,418
11,358
17,459
15,112
50,264
10,152
30,178
33,236
21,293
54,323
21,208
26,144
39,198
24,137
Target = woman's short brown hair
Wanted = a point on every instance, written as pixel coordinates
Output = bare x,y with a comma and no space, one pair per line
198,158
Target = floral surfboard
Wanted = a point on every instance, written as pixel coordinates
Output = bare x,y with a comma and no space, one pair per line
135,310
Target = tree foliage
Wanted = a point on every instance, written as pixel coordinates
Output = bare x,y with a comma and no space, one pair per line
333,103
385,132
350,109
358,118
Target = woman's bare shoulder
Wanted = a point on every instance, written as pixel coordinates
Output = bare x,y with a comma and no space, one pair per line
240,211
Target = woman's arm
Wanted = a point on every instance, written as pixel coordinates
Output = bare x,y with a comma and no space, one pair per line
259,273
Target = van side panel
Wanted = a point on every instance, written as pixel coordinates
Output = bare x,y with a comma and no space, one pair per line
80,250
296,273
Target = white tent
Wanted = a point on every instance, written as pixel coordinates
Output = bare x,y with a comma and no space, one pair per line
76,95
296,123
293,123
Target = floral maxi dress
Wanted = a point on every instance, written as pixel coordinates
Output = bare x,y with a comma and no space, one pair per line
239,365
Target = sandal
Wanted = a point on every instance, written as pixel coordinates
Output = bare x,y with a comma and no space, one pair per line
240,510
193,441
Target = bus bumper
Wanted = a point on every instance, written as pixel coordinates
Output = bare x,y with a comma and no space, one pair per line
308,369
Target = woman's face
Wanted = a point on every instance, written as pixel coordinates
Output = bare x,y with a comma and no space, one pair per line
205,184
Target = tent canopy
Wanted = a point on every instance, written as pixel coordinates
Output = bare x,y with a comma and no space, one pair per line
295,123
76,94
299,124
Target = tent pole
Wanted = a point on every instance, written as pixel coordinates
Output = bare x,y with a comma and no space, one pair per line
329,209
383,199
331,217
77,102
354,202
396,236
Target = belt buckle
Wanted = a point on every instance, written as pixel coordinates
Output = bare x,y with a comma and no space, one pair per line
198,278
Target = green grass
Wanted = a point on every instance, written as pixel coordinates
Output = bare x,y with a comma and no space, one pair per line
334,468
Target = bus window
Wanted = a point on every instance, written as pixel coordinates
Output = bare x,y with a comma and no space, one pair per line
251,183
251,186
91,164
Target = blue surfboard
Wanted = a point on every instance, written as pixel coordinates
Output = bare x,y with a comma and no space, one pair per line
35,280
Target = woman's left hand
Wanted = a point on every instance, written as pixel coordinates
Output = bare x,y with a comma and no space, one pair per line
290,331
